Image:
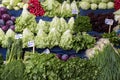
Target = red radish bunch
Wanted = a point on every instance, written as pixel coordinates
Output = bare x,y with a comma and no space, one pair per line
117,4
35,8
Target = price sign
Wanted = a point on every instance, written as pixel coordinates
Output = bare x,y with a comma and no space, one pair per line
47,51
31,44
18,36
74,11
109,21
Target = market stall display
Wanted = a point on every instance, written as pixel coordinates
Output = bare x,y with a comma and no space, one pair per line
52,40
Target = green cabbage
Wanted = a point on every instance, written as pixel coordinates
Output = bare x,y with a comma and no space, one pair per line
74,6
95,1
110,5
26,20
42,25
9,34
41,39
66,10
102,5
94,6
52,7
27,36
86,0
2,36
55,23
14,2
117,12
5,2
66,40
54,37
85,5
64,25
105,1
71,23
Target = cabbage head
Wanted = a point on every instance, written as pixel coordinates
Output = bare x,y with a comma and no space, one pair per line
102,5
54,37
71,23
110,5
27,36
2,36
94,6
9,34
41,39
55,23
66,40
85,5
42,25
66,10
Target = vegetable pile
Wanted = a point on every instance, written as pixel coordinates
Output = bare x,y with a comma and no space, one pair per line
98,22
82,24
54,8
83,41
12,4
96,4
6,20
117,4
113,37
35,8
26,20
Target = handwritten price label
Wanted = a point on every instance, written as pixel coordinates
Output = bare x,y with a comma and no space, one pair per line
74,11
18,36
31,44
109,21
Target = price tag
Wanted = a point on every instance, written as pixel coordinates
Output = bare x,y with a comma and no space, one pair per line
18,36
109,21
31,44
47,51
74,11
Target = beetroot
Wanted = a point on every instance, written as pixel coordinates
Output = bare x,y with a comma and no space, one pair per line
35,8
117,4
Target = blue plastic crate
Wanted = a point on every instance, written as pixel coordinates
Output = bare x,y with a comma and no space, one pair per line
98,11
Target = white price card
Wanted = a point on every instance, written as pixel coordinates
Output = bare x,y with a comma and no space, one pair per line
18,36
47,51
109,21
31,44
74,11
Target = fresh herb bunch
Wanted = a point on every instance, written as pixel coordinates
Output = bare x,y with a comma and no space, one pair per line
48,67
82,24
83,41
13,71
108,63
113,38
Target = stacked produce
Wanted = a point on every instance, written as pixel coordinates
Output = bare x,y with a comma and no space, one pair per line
26,20
54,8
47,66
12,4
117,4
117,15
113,37
6,20
96,4
9,34
35,8
98,22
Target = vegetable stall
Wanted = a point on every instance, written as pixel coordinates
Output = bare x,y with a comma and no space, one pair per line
60,40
